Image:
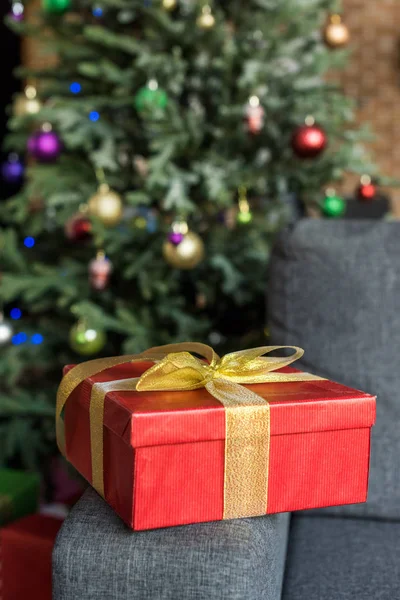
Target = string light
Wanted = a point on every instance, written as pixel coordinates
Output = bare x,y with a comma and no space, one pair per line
94,116
29,242
97,11
15,313
19,338
37,339
75,88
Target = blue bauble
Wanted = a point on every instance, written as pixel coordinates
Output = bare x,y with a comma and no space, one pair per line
12,170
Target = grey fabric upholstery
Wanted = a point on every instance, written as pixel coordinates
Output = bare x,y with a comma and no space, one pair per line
334,558
335,291
97,557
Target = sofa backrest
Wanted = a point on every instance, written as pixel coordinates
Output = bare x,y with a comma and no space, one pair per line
334,290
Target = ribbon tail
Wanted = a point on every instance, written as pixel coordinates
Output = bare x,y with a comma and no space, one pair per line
247,447
98,394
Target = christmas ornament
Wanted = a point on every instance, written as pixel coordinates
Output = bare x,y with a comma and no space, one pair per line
367,189
45,146
206,20
12,169
139,222
201,301
6,331
27,103
78,228
17,11
141,165
333,206
336,33
85,340
254,115
178,231
244,216
100,269
186,255
151,98
229,217
170,4
56,6
145,218
106,205
309,140
152,221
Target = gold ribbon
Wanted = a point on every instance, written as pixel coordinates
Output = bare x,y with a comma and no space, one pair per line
247,415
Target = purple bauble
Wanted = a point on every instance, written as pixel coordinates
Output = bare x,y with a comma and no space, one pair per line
175,238
15,17
45,146
12,170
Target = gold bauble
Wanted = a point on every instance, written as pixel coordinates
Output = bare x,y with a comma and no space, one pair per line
206,20
187,255
106,205
169,4
336,33
27,103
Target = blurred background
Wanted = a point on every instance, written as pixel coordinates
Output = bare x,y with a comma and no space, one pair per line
152,151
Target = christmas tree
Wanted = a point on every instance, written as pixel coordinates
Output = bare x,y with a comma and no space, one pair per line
161,151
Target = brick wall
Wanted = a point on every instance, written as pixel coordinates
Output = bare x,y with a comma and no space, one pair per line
373,79
34,55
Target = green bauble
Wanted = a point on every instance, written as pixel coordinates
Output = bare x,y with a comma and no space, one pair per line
85,340
333,206
151,98
245,217
56,6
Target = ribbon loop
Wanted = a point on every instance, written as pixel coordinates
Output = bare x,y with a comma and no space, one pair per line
177,371
253,359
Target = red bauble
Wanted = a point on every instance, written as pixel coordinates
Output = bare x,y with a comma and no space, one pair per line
308,141
78,228
366,191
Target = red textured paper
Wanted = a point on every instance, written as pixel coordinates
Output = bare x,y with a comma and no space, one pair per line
164,451
25,558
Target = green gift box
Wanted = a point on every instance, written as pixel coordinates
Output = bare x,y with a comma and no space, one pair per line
19,494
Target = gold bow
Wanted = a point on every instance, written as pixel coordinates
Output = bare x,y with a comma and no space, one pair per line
247,415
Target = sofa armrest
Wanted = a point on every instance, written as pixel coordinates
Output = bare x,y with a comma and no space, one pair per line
97,557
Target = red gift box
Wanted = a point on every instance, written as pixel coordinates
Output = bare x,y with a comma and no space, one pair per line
25,558
164,452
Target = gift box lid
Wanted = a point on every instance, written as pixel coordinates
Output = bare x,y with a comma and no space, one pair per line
159,418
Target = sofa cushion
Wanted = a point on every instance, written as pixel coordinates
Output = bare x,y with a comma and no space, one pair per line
97,556
335,290
351,559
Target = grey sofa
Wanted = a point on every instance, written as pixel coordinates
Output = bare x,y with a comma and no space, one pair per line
335,290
